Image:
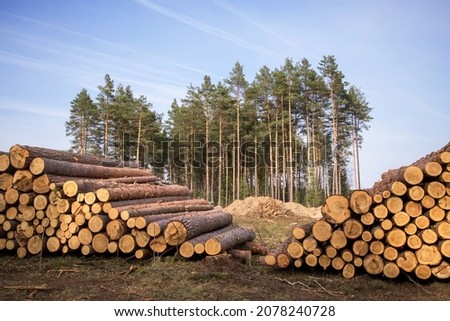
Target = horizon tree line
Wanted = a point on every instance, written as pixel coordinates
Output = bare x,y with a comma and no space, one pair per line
292,133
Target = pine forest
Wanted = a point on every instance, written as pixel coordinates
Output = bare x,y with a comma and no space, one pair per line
293,133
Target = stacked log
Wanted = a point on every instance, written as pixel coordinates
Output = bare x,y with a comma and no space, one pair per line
401,225
60,202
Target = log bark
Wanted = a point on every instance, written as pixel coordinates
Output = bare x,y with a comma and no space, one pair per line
123,204
271,257
158,223
72,186
167,207
187,248
191,226
299,232
141,191
228,239
40,166
336,209
22,155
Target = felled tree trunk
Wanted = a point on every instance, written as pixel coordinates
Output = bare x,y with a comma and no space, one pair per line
21,156
227,240
188,226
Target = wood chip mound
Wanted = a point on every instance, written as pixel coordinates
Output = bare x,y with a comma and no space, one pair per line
265,206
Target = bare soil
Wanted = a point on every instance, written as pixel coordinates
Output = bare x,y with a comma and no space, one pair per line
74,277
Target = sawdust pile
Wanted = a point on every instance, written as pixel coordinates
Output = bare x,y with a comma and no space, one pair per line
265,206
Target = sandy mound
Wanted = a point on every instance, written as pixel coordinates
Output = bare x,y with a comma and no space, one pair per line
302,211
265,206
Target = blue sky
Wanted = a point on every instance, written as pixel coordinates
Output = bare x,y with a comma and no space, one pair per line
396,52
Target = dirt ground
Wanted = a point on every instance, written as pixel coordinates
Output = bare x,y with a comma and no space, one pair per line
212,278
74,277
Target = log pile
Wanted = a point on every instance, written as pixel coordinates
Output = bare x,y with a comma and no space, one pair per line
59,202
400,226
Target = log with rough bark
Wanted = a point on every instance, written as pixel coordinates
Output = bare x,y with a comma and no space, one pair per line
158,223
141,191
299,232
22,155
193,205
73,186
40,166
188,248
278,258
189,226
228,239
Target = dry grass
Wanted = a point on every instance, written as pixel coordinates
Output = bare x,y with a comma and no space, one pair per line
74,277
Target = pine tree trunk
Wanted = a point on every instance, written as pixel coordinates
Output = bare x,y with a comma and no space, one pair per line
188,226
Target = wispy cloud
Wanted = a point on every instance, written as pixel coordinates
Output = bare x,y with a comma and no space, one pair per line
258,25
88,57
22,106
194,23
106,42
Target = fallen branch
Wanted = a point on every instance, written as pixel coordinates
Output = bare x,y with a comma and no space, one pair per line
61,271
324,289
293,283
419,286
42,287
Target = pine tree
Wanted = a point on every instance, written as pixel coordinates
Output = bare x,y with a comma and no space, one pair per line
105,100
359,111
237,84
82,124
336,91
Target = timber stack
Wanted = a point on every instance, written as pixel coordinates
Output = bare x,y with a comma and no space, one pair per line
59,202
400,225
